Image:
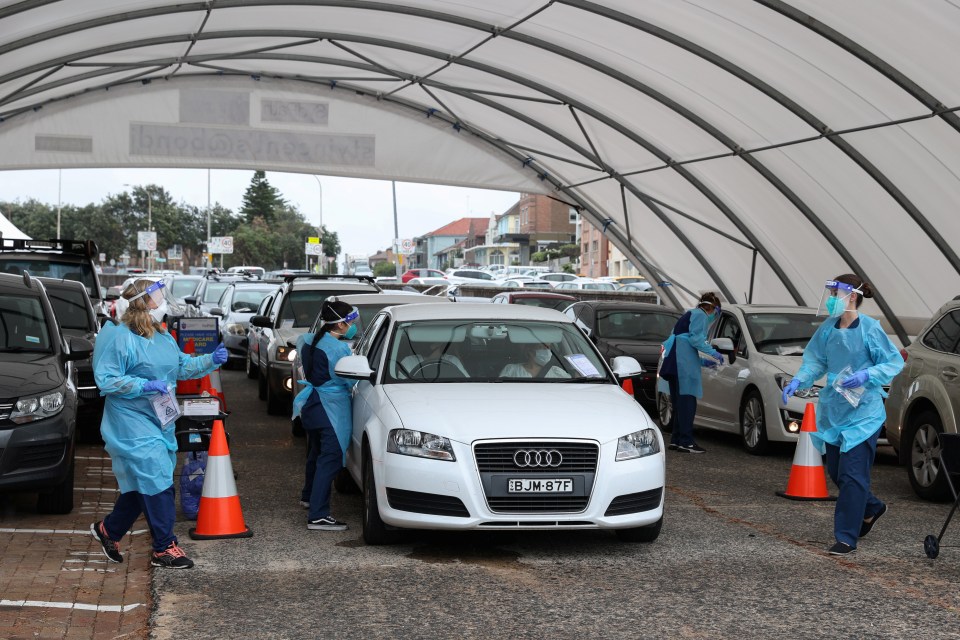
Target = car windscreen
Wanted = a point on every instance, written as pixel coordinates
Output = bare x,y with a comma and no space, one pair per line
183,287
634,325
782,334
300,308
213,291
71,310
451,351
247,300
546,303
46,266
22,324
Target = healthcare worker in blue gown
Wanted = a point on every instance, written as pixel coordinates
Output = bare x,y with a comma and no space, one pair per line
326,410
847,429
133,362
681,368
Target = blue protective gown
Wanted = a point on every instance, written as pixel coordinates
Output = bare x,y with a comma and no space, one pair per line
143,453
688,343
863,345
325,398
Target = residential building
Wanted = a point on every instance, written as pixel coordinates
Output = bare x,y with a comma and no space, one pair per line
429,252
594,251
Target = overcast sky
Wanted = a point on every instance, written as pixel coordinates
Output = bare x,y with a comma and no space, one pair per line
360,211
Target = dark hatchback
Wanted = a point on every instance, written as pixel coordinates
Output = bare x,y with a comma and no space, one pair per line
38,395
635,329
76,317
545,299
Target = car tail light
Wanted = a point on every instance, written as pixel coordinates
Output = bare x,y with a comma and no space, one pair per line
903,352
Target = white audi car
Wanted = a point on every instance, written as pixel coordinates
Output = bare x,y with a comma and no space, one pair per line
479,416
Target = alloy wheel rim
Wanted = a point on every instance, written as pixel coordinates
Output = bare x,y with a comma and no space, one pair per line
666,409
925,455
752,422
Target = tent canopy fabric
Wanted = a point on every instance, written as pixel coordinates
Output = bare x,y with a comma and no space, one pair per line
753,147
10,231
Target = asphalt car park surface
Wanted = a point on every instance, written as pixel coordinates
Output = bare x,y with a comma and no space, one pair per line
733,560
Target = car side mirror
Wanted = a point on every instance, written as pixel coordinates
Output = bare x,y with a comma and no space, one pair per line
261,321
217,311
80,349
355,368
625,367
725,346
192,300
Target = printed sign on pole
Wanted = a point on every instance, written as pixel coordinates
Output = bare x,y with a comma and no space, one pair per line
407,246
312,249
146,240
221,244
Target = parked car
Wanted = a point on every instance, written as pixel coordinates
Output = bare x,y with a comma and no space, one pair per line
292,311
237,304
585,285
924,401
258,272
208,294
624,280
547,299
633,329
637,287
59,259
429,281
368,305
76,318
433,448
409,274
38,384
744,396
182,287
559,276
469,276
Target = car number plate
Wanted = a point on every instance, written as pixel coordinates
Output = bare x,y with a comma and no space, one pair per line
538,485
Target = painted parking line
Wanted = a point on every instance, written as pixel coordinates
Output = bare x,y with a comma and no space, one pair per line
70,605
85,532
91,457
86,569
96,489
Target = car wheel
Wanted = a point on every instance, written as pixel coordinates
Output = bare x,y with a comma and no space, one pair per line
374,530
261,385
58,500
753,424
924,469
343,483
275,406
252,369
648,533
664,410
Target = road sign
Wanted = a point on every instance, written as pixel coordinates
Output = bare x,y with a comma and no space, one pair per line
313,240
103,257
146,240
312,249
407,246
221,244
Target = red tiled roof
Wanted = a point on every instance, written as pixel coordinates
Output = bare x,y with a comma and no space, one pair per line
461,227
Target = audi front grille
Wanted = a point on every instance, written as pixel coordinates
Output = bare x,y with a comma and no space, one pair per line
577,457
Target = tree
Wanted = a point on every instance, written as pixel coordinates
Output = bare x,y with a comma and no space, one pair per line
384,269
261,199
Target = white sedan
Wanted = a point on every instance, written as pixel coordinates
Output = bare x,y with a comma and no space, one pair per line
458,425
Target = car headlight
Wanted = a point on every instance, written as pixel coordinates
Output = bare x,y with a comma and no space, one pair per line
812,392
286,353
236,329
37,407
637,445
420,444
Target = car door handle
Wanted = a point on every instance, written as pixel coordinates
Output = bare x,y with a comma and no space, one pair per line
949,373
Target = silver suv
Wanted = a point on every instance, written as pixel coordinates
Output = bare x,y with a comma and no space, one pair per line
925,399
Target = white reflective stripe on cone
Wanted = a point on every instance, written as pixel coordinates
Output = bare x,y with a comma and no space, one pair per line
218,481
807,455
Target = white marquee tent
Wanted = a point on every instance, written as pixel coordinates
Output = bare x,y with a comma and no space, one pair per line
757,147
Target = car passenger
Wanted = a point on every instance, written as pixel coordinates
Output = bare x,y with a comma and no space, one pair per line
432,352
536,356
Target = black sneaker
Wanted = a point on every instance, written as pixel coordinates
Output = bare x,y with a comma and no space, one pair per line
865,526
172,557
111,548
673,446
690,448
328,523
841,549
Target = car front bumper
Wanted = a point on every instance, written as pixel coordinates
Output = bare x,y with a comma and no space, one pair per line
36,455
236,346
280,379
430,494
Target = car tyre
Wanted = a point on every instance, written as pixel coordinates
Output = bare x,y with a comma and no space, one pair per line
58,500
275,406
261,385
252,369
923,464
648,533
753,424
664,411
344,484
374,530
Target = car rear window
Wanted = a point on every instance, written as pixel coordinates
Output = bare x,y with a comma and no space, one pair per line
635,325
214,291
247,300
71,309
50,267
300,308
546,303
22,325
183,287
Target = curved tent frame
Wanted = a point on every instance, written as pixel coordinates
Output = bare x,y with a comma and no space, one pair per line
703,137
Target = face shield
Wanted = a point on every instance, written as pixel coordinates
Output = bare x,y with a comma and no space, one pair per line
835,298
153,291
349,318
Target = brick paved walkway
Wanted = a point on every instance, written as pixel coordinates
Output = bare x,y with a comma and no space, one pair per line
55,581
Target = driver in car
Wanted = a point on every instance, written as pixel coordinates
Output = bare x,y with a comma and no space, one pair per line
536,356
432,352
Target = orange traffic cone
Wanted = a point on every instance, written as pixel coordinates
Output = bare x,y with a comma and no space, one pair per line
188,387
807,478
219,515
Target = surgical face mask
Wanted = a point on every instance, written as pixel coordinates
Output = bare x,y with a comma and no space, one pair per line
158,313
351,332
541,356
834,306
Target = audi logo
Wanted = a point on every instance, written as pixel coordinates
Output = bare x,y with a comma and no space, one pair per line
530,458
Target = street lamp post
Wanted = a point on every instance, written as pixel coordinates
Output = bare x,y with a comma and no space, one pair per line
322,259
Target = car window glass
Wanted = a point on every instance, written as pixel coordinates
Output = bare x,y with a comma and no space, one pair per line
377,343
183,287
782,334
635,325
363,345
264,306
943,335
22,324
730,328
300,308
247,300
213,291
71,310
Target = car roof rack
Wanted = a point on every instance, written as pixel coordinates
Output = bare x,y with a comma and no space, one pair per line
87,248
333,276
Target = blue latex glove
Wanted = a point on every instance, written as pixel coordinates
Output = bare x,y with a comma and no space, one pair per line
790,389
155,386
716,355
709,363
220,354
855,380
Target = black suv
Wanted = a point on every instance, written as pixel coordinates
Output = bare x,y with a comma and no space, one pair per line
208,293
76,317
58,259
38,395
